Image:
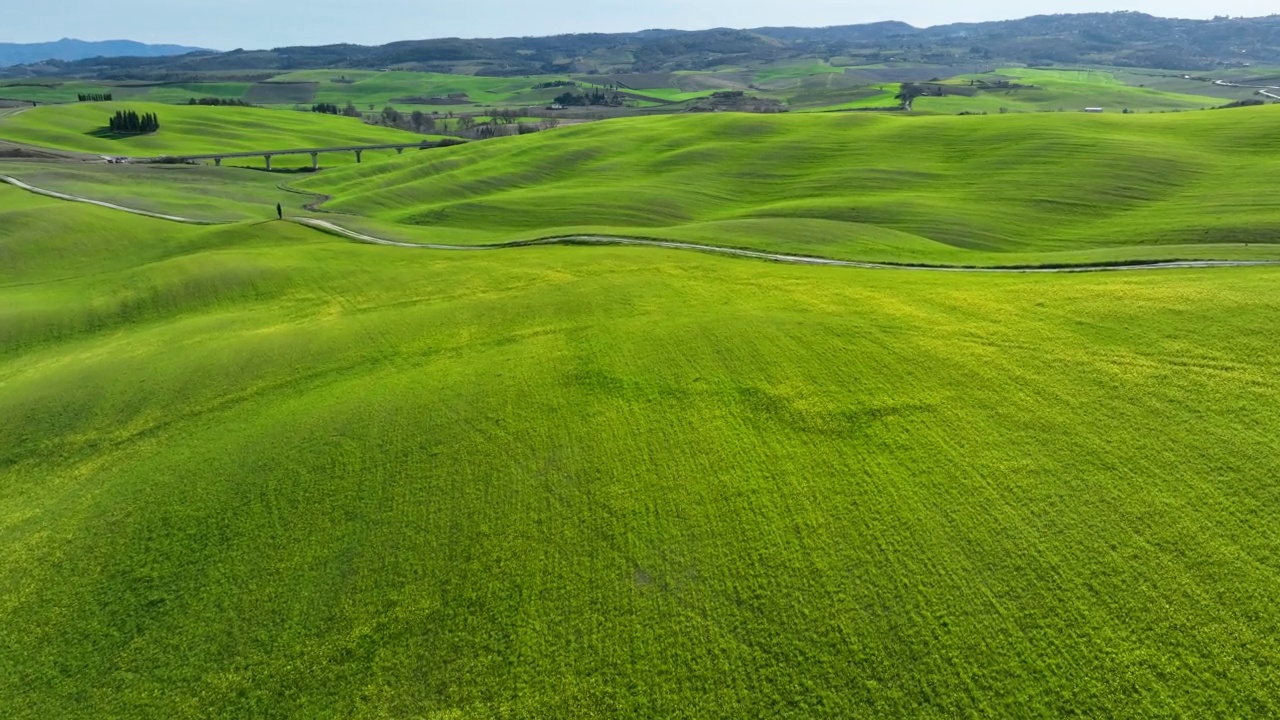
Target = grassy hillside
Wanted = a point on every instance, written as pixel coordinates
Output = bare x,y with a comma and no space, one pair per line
802,85
364,88
1063,90
253,471
995,189
55,90
201,192
193,130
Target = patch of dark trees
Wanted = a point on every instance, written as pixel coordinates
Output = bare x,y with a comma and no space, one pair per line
416,121
485,124
736,101
129,122
595,96
1250,102
350,110
213,101
94,97
555,84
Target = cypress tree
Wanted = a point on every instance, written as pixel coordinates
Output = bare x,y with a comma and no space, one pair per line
130,122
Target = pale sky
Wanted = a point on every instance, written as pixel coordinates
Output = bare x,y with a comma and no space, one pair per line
228,24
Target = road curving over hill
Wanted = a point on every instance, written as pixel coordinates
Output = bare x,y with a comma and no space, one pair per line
611,240
110,206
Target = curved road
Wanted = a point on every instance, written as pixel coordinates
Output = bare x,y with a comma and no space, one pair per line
326,226
110,206
1262,89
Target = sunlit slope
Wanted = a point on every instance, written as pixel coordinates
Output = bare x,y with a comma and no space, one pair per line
941,188
191,130
255,471
1062,90
201,192
410,90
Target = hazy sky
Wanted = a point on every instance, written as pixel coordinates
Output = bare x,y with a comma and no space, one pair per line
228,24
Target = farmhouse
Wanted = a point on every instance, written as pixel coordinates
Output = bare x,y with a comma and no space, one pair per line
1093,109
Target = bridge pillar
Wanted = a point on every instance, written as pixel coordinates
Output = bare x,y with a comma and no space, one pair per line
268,159
217,162
315,161
400,151
358,153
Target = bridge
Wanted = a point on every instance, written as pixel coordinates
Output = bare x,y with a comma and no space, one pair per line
266,155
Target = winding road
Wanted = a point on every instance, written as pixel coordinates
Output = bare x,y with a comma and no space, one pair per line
1263,90
329,227
110,206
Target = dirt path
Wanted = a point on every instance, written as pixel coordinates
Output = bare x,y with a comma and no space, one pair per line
110,206
1262,89
326,226
775,257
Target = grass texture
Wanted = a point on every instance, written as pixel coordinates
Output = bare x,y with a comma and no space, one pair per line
187,130
1011,189
254,471
1066,90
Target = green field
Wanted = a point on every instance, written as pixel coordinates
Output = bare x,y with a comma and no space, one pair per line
795,71
66,91
365,88
1066,91
200,192
1011,189
801,85
871,97
674,94
188,130
256,471
50,91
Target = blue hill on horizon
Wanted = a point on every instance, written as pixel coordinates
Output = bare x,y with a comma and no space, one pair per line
71,49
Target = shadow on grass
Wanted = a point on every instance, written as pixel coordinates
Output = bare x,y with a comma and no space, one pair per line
109,134
279,171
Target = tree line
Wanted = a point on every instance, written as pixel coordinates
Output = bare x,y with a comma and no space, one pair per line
330,109
94,97
488,123
130,122
591,97
219,101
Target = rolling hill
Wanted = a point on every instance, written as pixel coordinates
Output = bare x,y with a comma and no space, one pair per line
257,471
960,190
191,130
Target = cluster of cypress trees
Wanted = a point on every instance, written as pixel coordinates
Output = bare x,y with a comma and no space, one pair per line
94,97
326,108
130,122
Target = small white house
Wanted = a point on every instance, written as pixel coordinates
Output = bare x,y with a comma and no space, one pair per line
1095,109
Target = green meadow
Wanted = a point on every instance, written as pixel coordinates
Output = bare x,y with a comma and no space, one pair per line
801,85
258,470
1002,190
199,192
67,91
364,88
1063,90
255,470
193,130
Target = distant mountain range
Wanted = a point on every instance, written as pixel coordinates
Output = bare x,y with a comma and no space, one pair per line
1122,38
68,49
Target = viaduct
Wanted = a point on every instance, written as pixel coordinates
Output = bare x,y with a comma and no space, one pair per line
266,155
